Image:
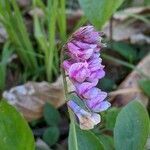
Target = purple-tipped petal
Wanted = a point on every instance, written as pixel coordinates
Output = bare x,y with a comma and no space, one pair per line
87,34
79,53
91,93
98,74
87,120
78,72
85,86
102,106
83,45
67,64
91,103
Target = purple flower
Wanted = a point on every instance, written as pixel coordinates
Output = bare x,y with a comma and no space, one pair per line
98,104
88,34
79,53
78,71
98,74
82,88
84,68
87,120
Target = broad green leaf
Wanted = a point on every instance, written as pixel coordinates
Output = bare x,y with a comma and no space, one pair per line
15,133
126,50
131,128
107,84
99,11
107,142
83,140
145,86
110,117
51,115
51,135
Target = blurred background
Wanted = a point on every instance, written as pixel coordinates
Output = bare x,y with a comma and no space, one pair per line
32,33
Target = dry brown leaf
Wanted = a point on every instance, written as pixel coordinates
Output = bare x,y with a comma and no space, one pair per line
122,15
30,98
131,82
124,29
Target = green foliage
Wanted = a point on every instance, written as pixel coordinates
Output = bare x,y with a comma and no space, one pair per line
99,11
146,2
110,117
15,26
145,86
6,53
15,133
51,115
124,49
51,135
107,142
44,59
131,128
83,140
54,15
107,84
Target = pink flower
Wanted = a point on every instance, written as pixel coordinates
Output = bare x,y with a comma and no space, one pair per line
78,71
88,34
98,106
79,53
98,74
87,120
84,68
81,88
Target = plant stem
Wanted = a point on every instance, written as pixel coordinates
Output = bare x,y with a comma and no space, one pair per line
65,84
125,91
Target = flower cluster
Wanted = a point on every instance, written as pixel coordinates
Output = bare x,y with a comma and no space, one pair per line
84,69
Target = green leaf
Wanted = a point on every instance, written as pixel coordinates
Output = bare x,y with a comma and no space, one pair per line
99,11
51,135
145,86
83,140
15,133
126,50
107,142
107,84
110,117
51,115
131,128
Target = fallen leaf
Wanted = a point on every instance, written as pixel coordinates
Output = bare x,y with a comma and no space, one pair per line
123,14
131,82
140,38
123,28
31,97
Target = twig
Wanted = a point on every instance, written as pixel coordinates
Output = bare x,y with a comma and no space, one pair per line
125,91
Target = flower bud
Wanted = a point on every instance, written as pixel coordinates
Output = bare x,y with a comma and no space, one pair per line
86,119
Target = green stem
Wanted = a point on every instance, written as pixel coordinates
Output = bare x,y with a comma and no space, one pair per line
125,64
65,85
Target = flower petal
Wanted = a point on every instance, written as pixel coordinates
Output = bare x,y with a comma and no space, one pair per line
87,120
78,71
85,86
